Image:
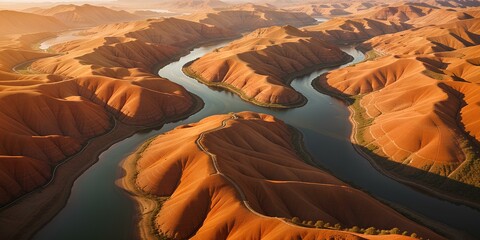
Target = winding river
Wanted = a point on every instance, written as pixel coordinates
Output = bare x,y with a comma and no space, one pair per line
61,38
98,209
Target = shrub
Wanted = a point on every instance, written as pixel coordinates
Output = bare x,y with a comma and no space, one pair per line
327,225
395,231
319,224
296,220
355,229
371,231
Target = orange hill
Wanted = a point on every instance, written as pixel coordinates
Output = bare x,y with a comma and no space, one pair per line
43,124
392,19
420,111
193,5
248,17
127,49
242,175
86,15
259,66
453,3
81,93
12,22
348,30
429,39
420,15
332,9
401,13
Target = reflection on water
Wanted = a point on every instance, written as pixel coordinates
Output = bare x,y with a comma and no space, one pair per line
62,38
98,209
157,10
321,19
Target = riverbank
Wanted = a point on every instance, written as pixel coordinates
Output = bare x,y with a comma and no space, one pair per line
24,67
353,106
187,51
148,211
28,214
146,206
288,79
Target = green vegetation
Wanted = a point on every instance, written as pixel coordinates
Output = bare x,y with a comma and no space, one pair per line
354,229
434,75
451,179
371,55
159,200
363,121
154,231
370,231
24,68
297,141
190,73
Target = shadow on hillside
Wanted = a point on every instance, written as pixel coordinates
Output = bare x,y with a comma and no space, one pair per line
429,180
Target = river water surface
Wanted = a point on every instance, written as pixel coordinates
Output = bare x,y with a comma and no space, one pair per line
61,38
98,209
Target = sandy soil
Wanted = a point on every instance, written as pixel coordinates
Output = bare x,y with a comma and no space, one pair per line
260,66
206,174
415,95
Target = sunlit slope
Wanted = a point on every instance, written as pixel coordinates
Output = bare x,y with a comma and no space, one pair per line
260,65
242,175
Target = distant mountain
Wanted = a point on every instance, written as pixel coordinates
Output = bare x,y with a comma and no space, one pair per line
86,15
247,17
195,4
19,22
190,5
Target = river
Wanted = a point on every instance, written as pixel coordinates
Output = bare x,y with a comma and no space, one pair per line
98,209
61,38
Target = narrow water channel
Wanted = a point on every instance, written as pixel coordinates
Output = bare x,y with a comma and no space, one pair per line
62,38
98,209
